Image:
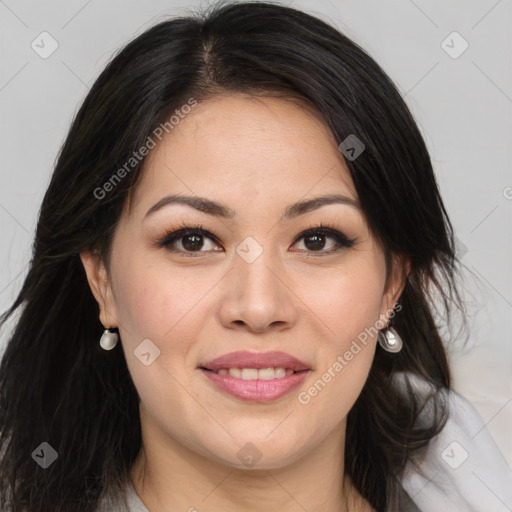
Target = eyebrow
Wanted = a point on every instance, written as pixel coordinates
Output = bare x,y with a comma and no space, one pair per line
216,209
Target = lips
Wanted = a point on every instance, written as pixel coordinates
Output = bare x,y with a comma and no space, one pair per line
255,377
257,360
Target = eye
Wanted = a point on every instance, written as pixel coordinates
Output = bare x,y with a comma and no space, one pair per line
316,240
189,240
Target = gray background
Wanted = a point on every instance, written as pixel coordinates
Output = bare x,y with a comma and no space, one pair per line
463,106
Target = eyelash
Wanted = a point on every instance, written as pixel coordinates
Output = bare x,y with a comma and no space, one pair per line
185,229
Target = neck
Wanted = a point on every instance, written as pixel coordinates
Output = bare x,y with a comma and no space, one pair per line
169,476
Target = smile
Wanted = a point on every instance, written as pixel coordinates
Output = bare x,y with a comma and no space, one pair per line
255,373
255,377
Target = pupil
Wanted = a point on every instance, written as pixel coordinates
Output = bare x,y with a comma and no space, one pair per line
197,243
318,243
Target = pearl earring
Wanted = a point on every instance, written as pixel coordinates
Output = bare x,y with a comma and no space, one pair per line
389,340
108,340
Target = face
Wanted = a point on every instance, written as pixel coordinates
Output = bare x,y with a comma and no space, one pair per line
261,278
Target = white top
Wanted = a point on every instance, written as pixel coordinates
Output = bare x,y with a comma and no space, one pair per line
463,470
134,501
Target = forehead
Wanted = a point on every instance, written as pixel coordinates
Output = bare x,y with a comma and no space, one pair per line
238,147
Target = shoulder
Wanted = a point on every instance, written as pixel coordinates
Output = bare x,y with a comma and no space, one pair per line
127,501
462,469
134,502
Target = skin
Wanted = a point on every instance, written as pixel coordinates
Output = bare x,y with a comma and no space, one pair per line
254,155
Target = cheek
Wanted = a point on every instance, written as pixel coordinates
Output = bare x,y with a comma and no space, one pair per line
153,300
167,306
154,305
348,305
348,302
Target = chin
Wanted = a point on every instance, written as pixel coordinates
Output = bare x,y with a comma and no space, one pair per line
259,453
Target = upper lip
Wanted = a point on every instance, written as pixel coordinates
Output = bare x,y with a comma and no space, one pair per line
245,359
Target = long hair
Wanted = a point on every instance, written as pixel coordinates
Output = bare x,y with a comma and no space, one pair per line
58,386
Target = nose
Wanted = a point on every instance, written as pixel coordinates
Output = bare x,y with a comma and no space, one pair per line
257,296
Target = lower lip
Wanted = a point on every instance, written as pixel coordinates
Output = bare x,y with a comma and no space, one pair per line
256,390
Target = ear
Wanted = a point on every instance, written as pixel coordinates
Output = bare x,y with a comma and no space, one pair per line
401,267
101,288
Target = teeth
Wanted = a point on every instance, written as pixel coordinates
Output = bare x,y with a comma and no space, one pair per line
235,372
280,372
266,373
254,373
249,373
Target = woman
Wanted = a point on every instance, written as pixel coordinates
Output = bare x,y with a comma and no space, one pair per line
230,304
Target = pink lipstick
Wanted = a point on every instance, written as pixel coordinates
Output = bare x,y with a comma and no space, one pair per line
256,376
